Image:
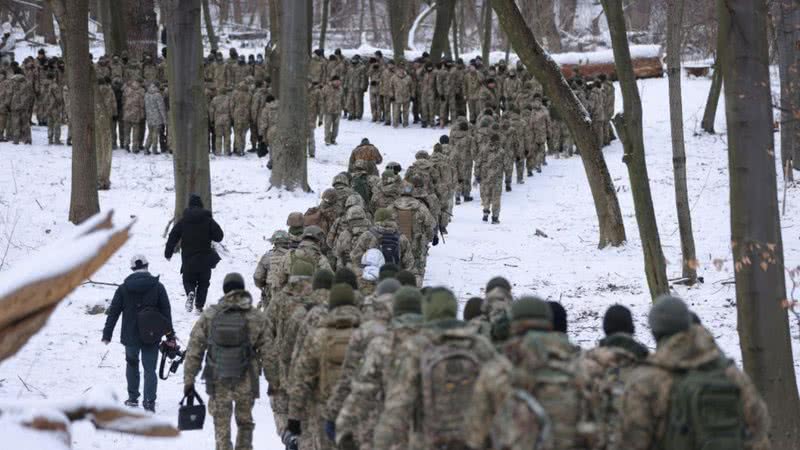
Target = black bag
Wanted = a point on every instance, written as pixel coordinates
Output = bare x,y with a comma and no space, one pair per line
191,416
152,324
213,258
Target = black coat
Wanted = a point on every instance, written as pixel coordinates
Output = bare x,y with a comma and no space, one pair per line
140,288
195,231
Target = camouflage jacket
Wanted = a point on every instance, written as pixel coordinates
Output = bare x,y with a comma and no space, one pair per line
647,393
155,110
403,414
491,161
372,239
307,251
385,193
423,225
317,69
402,89
199,337
539,123
472,84
220,109
464,148
240,105
133,103
487,98
306,386
278,312
22,95
331,99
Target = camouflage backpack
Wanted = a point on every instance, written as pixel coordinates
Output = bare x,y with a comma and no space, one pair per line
230,352
334,349
313,216
360,184
448,374
405,222
705,411
520,421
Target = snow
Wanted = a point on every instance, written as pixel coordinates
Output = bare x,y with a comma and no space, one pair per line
605,56
67,357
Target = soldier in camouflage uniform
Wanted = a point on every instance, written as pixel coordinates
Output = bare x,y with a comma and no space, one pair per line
332,108
308,250
487,96
444,171
319,365
539,123
240,113
438,366
375,103
365,152
317,72
228,394
597,111
387,74
472,87
417,223
263,278
607,87
356,86
402,91
464,152
133,114
22,98
428,93
356,224
104,106
356,420
341,183
156,114
385,234
220,111
686,348
555,137
6,92
268,120
386,191
314,116
53,103
489,167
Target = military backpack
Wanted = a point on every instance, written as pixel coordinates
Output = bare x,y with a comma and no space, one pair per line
390,246
361,187
405,222
334,349
705,411
230,351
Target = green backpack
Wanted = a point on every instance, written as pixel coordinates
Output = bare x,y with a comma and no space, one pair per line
705,411
230,351
361,186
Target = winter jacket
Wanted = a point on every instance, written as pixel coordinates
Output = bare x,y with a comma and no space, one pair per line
133,103
140,288
154,107
195,230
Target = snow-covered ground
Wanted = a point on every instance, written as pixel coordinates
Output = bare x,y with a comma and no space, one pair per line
67,357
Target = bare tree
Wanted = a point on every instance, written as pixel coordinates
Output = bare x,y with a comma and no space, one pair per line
143,29
445,12
629,127
289,164
612,229
787,18
44,20
486,41
710,112
566,15
212,37
323,29
755,224
274,53
674,45
73,20
187,102
397,27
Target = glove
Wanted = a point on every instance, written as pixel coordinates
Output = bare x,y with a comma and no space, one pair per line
188,389
293,426
330,430
289,440
319,124
436,240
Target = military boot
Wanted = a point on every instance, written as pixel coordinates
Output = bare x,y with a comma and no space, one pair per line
495,220
530,173
458,200
149,406
467,198
485,215
508,187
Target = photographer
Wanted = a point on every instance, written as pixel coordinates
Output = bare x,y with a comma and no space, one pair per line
146,317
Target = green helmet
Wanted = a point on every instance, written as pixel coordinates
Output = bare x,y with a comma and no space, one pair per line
314,232
279,237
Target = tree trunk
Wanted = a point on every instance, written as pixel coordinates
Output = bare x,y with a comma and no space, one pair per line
566,15
223,12
674,44
289,163
612,229
72,16
143,30
486,43
263,13
323,29
638,12
212,37
45,22
377,36
629,126
274,60
397,20
187,102
362,13
455,38
755,224
787,17
112,18
445,10
547,19
710,113
237,11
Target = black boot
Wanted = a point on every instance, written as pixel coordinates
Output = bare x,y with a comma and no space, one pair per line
424,124
458,200
508,187
486,216
530,173
467,198
495,220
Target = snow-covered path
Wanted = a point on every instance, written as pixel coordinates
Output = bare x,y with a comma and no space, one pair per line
67,358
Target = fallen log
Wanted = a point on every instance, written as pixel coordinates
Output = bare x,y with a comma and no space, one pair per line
646,63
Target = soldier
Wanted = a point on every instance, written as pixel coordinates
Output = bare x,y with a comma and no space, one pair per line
386,91
309,250
539,123
220,110
607,87
356,86
104,106
319,365
220,73
489,165
375,104
256,103
687,365
131,69
314,116
402,91
487,96
555,138
149,70
464,152
472,87
240,113
52,101
156,114
417,224
356,224
118,125
268,121
356,420
511,89
443,91
597,110
365,152
428,93
6,92
386,191
434,375
340,223
516,141
133,114
385,236
317,67
341,183
265,279
444,171
232,337
296,223
21,102
332,108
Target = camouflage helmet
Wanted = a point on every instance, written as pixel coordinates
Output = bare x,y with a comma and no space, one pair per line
342,179
356,213
422,154
354,200
314,232
485,122
295,219
329,196
279,237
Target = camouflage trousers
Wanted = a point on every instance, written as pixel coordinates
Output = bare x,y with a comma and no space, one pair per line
153,139
311,145
237,401
464,177
400,110
508,168
491,191
375,106
131,135
472,106
447,109
20,126
554,146
535,157
240,137
253,135
332,127
53,129
427,109
103,153
387,108
599,130
355,103
567,143
222,138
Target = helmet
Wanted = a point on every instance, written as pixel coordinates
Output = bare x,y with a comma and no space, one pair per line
279,236
295,219
355,213
422,154
342,178
329,195
314,232
354,200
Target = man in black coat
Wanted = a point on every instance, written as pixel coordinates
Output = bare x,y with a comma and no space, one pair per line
195,231
140,291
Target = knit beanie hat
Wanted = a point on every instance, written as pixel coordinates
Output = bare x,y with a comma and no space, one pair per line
382,214
387,286
407,300
559,317
618,319
195,201
323,279
498,282
473,308
406,278
302,269
233,281
388,270
439,304
669,316
532,310
341,295
345,275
